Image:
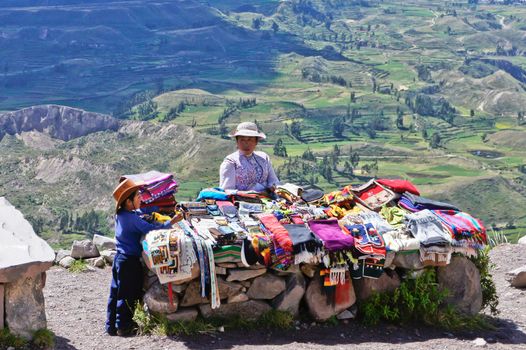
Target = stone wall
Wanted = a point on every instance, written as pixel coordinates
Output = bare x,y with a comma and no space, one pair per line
250,292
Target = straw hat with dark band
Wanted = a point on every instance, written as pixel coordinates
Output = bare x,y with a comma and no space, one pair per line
248,129
123,191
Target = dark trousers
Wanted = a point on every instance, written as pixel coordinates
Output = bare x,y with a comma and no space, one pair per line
125,291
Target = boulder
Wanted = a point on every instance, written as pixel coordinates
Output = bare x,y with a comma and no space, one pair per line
517,277
308,269
227,265
97,262
290,299
84,249
365,287
220,270
23,254
238,298
156,298
462,279
522,240
192,295
104,243
244,274
249,310
61,254
267,286
319,307
183,315
66,262
408,261
228,289
109,256
389,258
179,288
24,305
345,315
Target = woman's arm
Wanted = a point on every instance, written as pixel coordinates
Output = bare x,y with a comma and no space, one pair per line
227,175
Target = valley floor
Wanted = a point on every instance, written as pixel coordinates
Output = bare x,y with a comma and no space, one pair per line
75,306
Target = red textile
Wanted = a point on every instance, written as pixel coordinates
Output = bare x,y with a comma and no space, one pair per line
399,186
343,292
280,234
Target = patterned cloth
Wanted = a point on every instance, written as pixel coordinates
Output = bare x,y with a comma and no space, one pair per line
252,173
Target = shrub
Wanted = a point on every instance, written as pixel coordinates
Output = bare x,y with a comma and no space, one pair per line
418,300
489,290
78,266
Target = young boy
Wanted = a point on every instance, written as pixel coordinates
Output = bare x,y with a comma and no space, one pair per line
126,285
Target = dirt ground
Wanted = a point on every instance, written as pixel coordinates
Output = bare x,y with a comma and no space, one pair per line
75,306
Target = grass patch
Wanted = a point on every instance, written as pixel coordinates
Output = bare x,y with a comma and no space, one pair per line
8,339
153,324
44,339
78,266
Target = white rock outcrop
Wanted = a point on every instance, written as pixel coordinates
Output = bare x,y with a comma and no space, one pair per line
24,258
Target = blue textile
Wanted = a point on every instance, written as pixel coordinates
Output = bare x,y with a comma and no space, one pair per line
216,193
130,227
125,292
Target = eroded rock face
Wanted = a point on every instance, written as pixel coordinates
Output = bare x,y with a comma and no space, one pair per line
24,305
462,279
59,122
23,254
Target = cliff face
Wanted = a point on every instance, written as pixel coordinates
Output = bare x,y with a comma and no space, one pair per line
59,122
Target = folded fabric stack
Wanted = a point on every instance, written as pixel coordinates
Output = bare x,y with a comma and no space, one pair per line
157,189
435,240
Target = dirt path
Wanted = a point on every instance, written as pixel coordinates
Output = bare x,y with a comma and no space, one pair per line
75,305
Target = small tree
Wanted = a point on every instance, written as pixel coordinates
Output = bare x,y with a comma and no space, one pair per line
279,149
436,140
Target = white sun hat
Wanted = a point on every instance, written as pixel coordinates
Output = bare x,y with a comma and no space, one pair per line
248,129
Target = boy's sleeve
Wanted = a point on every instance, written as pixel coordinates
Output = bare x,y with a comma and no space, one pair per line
144,227
149,210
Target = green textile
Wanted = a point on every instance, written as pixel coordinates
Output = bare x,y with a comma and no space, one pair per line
394,216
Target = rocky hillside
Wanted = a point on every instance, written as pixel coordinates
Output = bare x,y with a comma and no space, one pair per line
58,122
68,163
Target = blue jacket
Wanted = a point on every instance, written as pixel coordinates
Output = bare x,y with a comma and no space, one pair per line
130,227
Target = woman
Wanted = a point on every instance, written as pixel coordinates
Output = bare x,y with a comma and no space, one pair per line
247,169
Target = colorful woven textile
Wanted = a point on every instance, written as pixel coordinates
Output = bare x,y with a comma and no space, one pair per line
464,228
279,233
330,233
227,253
